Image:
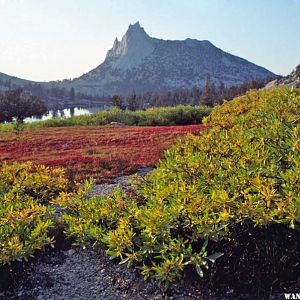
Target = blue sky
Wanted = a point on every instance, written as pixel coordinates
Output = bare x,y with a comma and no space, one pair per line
56,39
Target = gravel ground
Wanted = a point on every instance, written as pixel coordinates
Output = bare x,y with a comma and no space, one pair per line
121,182
76,274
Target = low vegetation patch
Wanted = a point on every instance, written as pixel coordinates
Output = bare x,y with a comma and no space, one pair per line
210,190
159,116
102,152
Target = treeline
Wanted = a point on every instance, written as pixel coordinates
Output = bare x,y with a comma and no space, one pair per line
57,97
58,92
53,94
209,95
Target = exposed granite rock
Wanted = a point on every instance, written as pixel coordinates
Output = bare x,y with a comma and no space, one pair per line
292,79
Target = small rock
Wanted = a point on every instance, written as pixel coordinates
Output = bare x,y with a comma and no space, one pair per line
20,294
117,124
71,252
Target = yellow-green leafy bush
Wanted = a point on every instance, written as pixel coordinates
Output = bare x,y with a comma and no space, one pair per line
25,216
245,169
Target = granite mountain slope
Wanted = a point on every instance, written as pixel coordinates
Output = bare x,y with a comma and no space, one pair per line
293,79
142,63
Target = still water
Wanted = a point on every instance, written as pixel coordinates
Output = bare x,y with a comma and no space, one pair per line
64,113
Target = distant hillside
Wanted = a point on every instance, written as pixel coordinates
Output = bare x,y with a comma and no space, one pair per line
7,82
55,94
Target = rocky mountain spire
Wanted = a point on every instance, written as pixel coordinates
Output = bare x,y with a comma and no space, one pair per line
136,29
132,49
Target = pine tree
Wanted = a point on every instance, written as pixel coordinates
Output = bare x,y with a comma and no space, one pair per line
207,95
132,102
72,94
117,101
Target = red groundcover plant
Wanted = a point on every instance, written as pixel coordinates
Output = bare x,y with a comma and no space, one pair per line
101,152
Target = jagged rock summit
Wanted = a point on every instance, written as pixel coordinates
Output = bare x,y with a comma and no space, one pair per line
143,63
292,79
134,47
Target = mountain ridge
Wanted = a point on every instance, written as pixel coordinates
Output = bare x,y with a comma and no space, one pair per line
142,64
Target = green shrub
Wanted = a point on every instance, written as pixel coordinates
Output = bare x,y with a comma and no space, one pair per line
25,216
246,169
